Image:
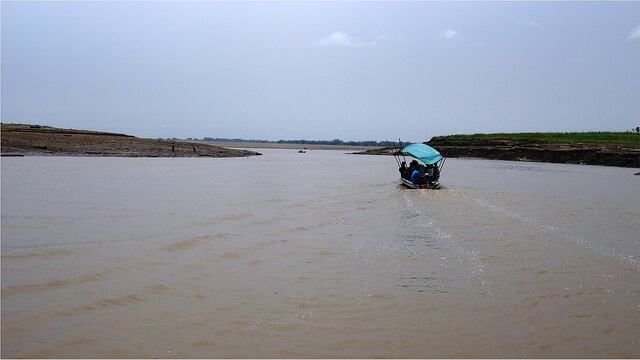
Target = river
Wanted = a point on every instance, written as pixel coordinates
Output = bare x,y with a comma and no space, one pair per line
320,254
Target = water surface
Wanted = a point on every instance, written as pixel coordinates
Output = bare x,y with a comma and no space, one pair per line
320,254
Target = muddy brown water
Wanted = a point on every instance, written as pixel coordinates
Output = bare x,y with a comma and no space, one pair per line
320,254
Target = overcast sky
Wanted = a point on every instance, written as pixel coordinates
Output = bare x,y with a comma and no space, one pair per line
355,71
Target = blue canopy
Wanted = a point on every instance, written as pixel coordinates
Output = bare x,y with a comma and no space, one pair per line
422,152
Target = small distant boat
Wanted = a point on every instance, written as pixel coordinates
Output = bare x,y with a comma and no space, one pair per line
428,173
301,152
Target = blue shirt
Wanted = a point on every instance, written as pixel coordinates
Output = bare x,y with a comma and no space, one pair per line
415,176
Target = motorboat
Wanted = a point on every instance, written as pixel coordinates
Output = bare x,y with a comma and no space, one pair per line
424,171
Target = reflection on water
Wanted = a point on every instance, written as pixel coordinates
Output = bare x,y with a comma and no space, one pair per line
321,255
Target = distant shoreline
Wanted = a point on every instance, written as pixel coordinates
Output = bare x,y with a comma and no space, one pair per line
259,145
36,140
531,149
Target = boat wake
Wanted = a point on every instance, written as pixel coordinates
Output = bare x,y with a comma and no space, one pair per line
562,232
424,224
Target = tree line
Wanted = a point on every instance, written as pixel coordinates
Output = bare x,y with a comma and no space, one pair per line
303,142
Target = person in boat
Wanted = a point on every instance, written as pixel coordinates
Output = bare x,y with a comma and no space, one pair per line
430,172
417,175
424,174
436,173
404,171
414,167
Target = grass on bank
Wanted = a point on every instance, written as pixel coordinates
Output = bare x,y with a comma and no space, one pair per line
628,138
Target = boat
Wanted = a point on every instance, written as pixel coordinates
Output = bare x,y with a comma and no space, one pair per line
301,152
431,167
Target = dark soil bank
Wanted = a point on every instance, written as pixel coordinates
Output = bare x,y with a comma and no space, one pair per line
573,153
20,139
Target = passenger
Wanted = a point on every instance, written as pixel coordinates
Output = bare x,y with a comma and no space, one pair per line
403,170
412,166
416,176
429,171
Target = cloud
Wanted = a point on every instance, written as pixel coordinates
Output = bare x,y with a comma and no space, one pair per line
450,34
339,38
634,34
529,23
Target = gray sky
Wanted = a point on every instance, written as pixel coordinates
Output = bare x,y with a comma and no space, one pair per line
355,71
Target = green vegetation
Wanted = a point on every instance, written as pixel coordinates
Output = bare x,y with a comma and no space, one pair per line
629,138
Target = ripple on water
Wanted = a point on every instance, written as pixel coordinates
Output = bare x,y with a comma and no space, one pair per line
186,244
57,283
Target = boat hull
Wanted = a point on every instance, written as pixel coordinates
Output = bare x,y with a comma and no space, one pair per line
410,185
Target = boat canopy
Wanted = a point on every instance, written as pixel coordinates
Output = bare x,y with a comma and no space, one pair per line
422,152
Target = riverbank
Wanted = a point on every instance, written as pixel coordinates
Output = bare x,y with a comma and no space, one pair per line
591,150
21,139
